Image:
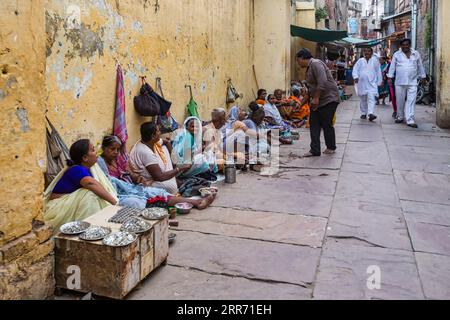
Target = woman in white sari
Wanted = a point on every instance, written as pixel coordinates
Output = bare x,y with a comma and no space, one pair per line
80,190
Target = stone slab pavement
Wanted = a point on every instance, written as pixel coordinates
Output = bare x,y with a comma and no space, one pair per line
369,222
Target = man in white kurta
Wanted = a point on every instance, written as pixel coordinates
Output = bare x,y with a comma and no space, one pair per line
406,67
368,77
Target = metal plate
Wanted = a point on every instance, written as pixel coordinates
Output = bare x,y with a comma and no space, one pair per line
119,239
154,213
135,225
94,233
74,227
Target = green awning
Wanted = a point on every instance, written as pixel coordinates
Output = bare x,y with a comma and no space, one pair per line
370,43
317,35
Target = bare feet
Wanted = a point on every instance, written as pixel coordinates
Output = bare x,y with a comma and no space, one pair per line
309,155
205,202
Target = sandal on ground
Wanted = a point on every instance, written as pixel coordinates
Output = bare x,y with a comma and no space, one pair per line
329,151
173,223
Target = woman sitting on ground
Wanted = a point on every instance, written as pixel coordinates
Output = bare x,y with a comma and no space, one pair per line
116,166
300,112
290,108
187,149
150,158
80,190
273,120
135,195
262,94
258,146
233,133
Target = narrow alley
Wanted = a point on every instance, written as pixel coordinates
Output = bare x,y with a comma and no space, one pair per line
316,228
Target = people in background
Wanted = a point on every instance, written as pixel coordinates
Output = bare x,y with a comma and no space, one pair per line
274,120
391,86
80,190
341,65
261,100
383,90
407,67
367,75
324,96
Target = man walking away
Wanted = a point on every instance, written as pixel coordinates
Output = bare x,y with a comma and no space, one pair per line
406,66
368,77
325,98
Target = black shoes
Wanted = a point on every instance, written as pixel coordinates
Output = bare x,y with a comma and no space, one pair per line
394,115
398,121
413,125
372,117
363,117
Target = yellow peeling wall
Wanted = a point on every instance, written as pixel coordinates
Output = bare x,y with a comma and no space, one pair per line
272,43
304,16
26,268
58,58
443,64
198,42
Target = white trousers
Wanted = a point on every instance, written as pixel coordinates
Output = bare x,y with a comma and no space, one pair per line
406,102
367,104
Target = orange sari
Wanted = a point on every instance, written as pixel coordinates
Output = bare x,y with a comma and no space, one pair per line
304,111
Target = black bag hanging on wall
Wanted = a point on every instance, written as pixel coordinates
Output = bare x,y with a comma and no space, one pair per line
148,103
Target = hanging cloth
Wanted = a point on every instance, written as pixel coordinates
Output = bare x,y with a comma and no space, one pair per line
120,124
57,153
192,105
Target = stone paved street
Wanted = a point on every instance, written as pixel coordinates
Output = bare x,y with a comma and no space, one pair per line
312,230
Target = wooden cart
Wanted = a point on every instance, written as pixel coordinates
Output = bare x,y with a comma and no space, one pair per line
91,266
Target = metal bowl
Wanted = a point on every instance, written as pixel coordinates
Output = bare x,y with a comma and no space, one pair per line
74,227
205,192
184,207
119,239
94,233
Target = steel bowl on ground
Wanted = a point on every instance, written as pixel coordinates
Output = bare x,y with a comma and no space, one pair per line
184,207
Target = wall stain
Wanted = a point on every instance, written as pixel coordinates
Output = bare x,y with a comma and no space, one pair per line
22,115
86,43
52,24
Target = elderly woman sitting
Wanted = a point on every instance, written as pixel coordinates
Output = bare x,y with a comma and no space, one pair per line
80,190
187,149
274,120
134,195
213,140
259,139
